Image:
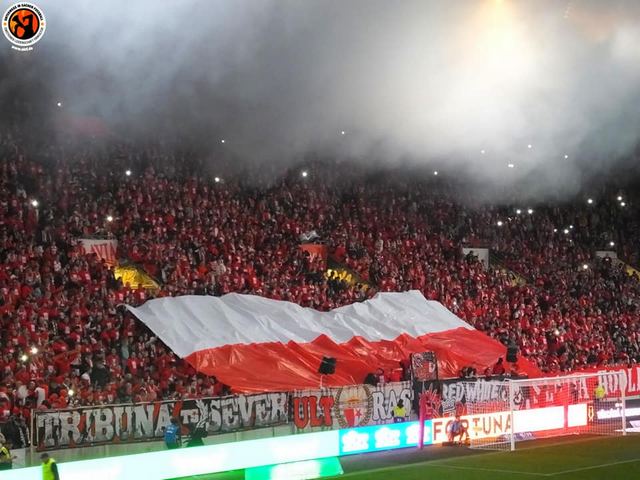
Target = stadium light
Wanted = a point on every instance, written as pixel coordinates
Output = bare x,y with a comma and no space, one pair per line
623,204
109,218
24,357
127,173
59,104
34,350
305,174
499,223
590,201
510,165
530,211
555,230
222,141
566,156
342,132
216,179
619,198
570,227
482,152
34,203
518,211
585,266
435,172
612,243
566,231
529,146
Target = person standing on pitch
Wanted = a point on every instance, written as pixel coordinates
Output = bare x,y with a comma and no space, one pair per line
49,468
6,460
172,438
599,393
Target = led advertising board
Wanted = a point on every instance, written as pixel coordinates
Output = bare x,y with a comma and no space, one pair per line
487,425
305,470
302,447
383,437
187,462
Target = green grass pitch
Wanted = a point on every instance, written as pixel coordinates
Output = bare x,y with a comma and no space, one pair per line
569,458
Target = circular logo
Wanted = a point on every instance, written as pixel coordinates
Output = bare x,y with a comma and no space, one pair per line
23,24
354,410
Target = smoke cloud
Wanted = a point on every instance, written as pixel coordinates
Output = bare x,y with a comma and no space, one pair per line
459,86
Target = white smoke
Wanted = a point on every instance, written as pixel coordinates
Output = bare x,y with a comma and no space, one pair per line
425,81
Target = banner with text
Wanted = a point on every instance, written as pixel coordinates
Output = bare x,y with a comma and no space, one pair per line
450,397
105,249
612,383
88,426
351,406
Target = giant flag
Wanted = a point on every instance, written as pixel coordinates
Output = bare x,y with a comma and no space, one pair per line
257,344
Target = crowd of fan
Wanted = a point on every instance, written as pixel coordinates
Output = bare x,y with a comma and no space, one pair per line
65,340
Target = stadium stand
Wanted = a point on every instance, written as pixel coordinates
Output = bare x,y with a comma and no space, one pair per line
196,235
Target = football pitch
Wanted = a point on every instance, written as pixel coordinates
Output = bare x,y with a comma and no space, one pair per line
568,458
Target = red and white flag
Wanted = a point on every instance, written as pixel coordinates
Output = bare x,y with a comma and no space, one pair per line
257,344
105,249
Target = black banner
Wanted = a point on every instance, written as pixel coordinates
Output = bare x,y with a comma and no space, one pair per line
449,397
424,367
99,425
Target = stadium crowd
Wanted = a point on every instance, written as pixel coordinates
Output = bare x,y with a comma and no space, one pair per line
65,340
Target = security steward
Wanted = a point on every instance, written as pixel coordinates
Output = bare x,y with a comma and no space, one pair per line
399,412
49,468
599,394
6,460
